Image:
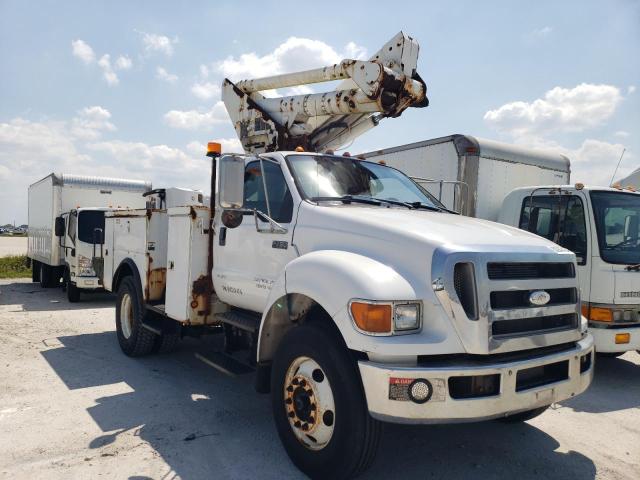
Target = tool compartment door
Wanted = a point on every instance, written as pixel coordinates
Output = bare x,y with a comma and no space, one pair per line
187,263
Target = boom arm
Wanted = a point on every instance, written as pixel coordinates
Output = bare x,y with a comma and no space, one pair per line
384,86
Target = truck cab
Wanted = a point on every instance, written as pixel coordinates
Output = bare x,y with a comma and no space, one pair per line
81,236
600,225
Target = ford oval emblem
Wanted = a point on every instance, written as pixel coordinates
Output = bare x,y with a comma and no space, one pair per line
539,298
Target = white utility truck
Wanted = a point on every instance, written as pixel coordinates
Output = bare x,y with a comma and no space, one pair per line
529,189
66,222
357,295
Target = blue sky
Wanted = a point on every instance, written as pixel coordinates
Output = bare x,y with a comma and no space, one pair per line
130,89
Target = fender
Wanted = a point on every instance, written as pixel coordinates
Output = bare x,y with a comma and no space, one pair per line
328,279
131,265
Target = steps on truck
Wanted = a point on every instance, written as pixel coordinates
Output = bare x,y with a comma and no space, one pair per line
225,363
241,319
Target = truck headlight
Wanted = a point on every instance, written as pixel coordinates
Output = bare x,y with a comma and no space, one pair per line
406,316
85,267
385,318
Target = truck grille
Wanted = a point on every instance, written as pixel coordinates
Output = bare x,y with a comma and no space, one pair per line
534,325
520,298
529,270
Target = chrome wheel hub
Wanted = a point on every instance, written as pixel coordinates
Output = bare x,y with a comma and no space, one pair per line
309,403
126,315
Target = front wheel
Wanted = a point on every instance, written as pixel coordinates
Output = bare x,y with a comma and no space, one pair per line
319,405
134,339
73,292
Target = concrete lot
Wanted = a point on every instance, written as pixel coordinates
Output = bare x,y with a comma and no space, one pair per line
73,406
13,246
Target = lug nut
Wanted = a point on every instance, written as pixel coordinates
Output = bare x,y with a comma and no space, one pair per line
292,414
289,389
313,407
305,427
303,383
288,401
297,424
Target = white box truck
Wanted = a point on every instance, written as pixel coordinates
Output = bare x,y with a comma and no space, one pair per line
66,221
530,189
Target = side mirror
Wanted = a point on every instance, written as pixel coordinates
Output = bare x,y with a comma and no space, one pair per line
231,182
59,227
631,227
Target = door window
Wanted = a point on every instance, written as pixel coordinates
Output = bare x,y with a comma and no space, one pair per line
276,200
559,219
73,219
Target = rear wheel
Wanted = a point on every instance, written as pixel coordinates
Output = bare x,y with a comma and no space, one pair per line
165,343
524,416
319,406
35,271
44,275
134,339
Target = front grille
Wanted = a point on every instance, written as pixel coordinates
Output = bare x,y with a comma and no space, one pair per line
534,325
464,282
529,270
520,298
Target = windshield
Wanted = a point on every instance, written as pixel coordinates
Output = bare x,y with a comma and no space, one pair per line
616,215
331,176
87,221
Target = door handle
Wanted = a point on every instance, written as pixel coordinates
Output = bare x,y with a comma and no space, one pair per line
222,238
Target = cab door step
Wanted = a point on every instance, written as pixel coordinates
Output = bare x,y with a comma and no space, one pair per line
225,363
241,319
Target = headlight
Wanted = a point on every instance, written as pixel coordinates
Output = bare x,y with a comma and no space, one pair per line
407,316
85,267
385,318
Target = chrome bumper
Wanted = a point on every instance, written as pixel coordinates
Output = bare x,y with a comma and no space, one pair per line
89,283
442,408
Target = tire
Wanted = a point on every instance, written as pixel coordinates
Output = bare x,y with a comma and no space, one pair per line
524,416
35,271
73,292
165,343
342,448
134,339
44,275
610,354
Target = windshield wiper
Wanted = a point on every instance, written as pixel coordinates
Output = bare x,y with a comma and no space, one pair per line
635,267
346,199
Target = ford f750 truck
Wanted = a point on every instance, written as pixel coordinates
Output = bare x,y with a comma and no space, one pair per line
359,297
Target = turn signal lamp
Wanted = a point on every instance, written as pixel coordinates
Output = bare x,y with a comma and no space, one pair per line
213,149
600,314
623,338
579,186
299,149
371,317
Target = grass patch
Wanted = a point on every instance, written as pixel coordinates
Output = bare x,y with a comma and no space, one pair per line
14,266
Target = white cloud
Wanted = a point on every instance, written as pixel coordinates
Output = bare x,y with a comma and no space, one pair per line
561,109
621,134
542,32
229,145
631,89
91,122
162,74
206,90
107,71
292,55
158,43
197,119
31,150
123,62
83,51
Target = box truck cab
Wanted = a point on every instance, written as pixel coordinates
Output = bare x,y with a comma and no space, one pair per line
66,220
600,225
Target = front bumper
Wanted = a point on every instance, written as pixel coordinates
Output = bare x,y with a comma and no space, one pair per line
88,283
605,339
442,408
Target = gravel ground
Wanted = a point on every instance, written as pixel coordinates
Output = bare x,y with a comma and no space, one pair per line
13,246
73,406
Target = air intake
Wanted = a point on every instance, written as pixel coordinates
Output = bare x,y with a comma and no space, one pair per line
464,281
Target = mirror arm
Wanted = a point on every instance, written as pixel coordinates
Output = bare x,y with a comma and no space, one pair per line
274,227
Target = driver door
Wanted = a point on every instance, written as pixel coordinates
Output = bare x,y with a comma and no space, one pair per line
247,261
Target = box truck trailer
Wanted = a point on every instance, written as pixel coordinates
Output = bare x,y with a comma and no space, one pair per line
66,221
530,189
